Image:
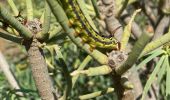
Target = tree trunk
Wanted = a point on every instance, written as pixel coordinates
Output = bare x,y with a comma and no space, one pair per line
40,71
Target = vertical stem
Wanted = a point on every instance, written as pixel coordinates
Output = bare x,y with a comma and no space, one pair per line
94,2
29,10
122,8
13,6
40,71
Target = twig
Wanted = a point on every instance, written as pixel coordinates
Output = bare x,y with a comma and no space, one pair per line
160,29
10,37
156,44
122,8
29,10
81,67
9,75
96,94
149,12
13,6
15,23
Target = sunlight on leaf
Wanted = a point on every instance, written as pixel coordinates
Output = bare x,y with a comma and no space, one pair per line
127,31
162,70
152,77
168,79
149,58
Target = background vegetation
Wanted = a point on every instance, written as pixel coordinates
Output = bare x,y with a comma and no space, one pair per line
74,70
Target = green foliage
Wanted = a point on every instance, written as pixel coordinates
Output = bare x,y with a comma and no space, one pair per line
152,77
64,57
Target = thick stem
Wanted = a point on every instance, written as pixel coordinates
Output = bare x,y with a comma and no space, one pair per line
40,71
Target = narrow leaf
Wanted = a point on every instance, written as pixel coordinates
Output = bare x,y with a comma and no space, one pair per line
152,77
163,69
67,76
127,31
96,94
149,58
168,79
13,7
156,43
14,23
81,67
29,10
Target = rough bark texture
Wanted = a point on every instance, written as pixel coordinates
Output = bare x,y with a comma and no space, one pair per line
111,24
40,71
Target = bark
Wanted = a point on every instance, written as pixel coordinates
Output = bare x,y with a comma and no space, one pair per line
40,71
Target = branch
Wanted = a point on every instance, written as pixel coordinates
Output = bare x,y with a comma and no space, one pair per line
81,67
163,24
10,37
136,51
29,10
156,43
13,6
40,71
10,77
96,94
14,23
94,71
63,20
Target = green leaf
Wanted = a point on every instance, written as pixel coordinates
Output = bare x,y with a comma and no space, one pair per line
127,31
29,10
168,79
81,67
152,77
163,69
149,58
156,50
13,6
51,50
65,70
7,17
156,43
